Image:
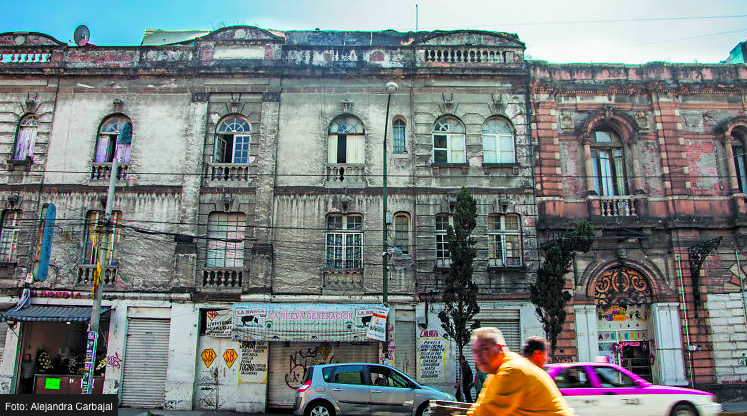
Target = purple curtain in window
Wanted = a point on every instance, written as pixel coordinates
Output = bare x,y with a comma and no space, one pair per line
122,152
25,143
101,149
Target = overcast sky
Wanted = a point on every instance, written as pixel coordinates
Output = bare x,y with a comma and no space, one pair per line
629,31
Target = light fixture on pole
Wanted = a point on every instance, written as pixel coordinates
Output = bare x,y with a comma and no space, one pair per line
391,88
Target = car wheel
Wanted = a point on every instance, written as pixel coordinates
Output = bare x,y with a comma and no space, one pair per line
319,409
424,410
683,409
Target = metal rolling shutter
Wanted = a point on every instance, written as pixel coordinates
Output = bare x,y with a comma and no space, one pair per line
507,320
404,347
288,362
145,364
3,333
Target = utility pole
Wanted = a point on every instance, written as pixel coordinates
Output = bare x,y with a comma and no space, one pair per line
391,88
100,269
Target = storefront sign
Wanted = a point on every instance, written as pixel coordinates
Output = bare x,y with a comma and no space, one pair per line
218,323
208,356
229,356
253,364
432,359
301,322
377,327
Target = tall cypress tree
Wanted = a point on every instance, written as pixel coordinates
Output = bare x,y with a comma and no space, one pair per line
459,291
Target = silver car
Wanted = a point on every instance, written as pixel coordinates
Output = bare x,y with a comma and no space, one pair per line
362,389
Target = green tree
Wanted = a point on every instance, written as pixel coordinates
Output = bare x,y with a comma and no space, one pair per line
459,291
547,293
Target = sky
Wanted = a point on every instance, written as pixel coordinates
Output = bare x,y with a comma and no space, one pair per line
629,31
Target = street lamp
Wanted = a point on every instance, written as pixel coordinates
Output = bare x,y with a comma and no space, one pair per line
391,88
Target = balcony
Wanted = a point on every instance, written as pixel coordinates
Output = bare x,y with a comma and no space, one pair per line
617,206
222,277
343,174
222,173
102,171
25,58
85,275
342,279
466,55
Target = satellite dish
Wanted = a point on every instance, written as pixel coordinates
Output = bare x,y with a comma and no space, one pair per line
82,35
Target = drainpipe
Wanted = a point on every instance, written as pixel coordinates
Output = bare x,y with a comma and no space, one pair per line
687,329
741,288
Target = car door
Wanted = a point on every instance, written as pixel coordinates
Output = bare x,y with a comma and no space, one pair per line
349,389
622,393
391,392
575,384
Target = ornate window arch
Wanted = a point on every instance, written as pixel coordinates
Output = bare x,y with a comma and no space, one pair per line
449,141
114,139
734,137
26,138
346,140
232,140
498,141
622,285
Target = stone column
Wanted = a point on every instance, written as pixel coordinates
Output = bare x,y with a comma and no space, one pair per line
587,333
668,344
733,183
637,174
589,168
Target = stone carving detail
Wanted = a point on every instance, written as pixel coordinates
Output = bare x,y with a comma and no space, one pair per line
566,120
448,105
622,286
642,119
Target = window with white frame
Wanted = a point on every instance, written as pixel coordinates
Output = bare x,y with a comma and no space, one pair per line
344,242
26,138
608,164
497,142
504,240
97,236
398,136
346,141
443,257
448,141
232,139
11,225
225,243
114,140
402,232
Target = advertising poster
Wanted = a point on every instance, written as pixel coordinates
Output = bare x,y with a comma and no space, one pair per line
218,323
253,364
432,359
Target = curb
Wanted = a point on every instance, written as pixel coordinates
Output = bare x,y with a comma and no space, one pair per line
740,413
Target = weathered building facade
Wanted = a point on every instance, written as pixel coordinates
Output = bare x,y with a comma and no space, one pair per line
250,178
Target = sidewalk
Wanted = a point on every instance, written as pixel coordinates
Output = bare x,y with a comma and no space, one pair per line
734,409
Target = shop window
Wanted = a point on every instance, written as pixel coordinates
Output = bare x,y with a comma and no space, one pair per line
346,141
232,140
11,226
398,136
98,237
114,140
608,164
504,240
402,232
497,142
26,138
225,244
448,141
344,242
443,221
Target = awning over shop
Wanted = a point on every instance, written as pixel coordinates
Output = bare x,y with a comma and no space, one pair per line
52,313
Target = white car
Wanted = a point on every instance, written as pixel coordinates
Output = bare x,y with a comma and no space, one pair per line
610,390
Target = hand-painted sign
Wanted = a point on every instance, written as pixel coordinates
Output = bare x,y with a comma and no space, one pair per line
218,323
44,249
301,322
431,359
208,356
229,356
377,326
253,365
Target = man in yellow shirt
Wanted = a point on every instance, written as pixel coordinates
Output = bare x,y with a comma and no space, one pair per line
514,385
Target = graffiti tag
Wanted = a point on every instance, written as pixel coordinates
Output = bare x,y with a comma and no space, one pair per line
301,360
114,360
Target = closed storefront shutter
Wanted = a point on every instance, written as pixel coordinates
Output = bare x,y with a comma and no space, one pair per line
404,347
3,333
289,361
507,320
145,363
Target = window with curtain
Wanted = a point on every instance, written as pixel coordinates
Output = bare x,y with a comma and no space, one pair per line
497,142
225,244
344,242
346,141
504,240
443,257
608,164
232,140
26,138
11,226
448,141
96,237
402,232
114,140
398,136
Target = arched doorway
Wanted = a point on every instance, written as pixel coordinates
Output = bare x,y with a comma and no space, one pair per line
625,335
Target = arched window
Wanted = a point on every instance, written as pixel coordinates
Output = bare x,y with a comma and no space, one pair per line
398,136
448,141
504,240
608,163
232,139
344,242
26,138
402,232
346,141
114,140
738,148
497,142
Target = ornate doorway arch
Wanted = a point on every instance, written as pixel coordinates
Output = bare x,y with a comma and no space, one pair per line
622,285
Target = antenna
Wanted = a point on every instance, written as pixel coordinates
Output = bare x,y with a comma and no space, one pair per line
82,35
